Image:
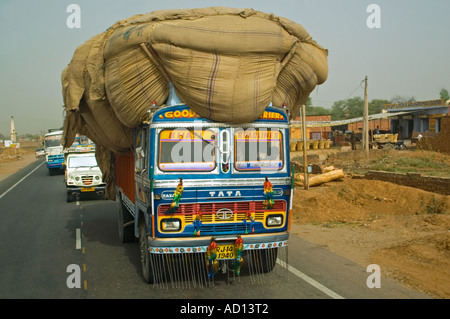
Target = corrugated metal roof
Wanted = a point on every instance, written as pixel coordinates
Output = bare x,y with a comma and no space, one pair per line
348,121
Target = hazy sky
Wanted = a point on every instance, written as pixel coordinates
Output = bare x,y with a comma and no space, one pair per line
409,55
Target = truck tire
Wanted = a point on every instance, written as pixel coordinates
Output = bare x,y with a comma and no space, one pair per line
69,197
269,258
147,271
264,260
126,229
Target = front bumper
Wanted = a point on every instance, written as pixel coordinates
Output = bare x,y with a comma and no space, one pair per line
98,190
200,245
55,165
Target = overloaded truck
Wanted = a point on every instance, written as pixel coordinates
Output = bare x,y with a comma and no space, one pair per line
206,195
203,181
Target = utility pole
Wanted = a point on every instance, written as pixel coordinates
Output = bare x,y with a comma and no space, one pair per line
366,121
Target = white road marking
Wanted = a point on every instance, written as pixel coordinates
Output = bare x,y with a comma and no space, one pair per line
78,239
20,180
309,280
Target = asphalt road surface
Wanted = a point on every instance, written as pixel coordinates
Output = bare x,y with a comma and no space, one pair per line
51,249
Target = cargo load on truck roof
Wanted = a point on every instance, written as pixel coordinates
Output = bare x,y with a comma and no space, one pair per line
227,64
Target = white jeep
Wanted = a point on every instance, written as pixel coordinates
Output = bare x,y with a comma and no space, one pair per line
83,176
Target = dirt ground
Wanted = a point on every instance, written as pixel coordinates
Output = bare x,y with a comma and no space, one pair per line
406,231
13,160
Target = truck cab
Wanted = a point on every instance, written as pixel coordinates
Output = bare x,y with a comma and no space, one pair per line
202,187
54,152
83,175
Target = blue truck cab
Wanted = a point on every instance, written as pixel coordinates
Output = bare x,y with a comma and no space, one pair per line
215,193
54,152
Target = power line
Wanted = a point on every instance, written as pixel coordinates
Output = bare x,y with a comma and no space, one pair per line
359,86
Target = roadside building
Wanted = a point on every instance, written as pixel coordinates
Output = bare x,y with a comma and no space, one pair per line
313,132
383,125
423,116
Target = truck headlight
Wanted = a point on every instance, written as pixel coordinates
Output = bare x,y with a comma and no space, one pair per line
77,178
97,178
274,220
171,224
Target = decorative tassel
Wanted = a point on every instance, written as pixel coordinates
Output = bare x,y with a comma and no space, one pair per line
252,223
197,225
211,259
268,193
238,250
176,198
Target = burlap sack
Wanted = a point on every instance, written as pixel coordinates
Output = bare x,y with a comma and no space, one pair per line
132,84
227,64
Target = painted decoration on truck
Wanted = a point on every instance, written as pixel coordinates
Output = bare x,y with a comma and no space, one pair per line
184,113
203,249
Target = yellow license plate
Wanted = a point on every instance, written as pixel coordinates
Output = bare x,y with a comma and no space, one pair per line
88,189
225,252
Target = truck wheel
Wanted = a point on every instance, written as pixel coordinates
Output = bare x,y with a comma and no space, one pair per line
126,229
147,271
270,259
69,197
265,259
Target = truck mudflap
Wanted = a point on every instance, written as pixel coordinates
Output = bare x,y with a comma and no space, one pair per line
199,262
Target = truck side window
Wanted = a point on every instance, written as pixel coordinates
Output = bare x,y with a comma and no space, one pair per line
140,150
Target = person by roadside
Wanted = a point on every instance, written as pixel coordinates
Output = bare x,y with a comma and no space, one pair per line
353,140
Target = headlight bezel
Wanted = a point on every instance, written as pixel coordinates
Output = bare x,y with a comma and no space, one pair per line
274,220
174,227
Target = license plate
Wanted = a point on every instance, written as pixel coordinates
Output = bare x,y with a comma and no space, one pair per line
88,189
225,252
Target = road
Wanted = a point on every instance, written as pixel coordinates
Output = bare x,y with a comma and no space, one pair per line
45,241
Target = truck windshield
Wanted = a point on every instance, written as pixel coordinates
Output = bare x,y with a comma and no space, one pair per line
52,141
187,150
258,149
85,161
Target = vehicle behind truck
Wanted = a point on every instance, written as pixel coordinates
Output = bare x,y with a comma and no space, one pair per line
204,197
54,152
83,176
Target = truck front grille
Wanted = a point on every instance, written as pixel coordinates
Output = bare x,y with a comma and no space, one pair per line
208,211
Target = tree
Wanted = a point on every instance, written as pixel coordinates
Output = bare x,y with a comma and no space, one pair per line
444,95
347,109
402,99
317,110
376,106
